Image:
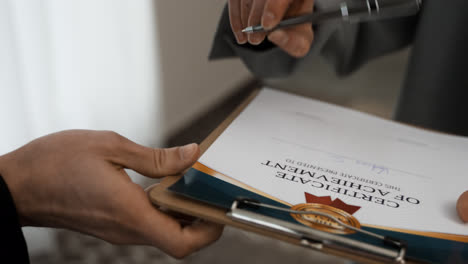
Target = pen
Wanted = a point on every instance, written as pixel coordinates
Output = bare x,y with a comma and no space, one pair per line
366,10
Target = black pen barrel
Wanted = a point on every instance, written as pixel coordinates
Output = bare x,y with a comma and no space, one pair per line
362,11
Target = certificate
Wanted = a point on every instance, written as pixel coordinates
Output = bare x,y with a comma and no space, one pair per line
383,174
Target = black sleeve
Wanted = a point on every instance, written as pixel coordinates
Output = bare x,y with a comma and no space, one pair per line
435,91
13,247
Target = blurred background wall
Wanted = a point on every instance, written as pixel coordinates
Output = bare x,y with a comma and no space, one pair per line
140,68
190,83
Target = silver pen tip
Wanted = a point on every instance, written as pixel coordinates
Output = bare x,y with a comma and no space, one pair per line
247,30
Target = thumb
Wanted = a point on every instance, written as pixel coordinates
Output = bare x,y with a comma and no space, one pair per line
462,207
158,162
175,160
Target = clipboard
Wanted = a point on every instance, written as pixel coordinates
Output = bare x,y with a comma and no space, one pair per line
296,234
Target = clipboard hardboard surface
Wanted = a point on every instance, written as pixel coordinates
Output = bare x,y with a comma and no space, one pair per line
160,196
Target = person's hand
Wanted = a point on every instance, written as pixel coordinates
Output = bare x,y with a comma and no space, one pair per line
76,180
462,207
296,41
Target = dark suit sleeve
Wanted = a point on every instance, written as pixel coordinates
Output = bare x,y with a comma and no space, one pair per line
435,91
346,46
13,247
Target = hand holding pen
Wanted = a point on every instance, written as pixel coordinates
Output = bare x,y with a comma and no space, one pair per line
260,18
296,40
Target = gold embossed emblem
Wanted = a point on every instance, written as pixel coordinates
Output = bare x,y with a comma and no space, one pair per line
322,222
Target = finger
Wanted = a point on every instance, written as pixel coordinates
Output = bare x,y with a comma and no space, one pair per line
175,160
196,237
300,7
255,19
167,234
236,21
462,207
295,41
274,11
246,6
155,162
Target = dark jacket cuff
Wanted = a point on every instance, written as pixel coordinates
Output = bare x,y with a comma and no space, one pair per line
13,248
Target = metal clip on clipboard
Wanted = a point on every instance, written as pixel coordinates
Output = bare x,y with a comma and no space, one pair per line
317,239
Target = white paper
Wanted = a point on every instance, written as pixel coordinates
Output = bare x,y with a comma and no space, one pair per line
413,176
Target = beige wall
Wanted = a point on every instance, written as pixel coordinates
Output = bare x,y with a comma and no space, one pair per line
190,83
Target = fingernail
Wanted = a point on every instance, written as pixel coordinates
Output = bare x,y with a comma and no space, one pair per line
241,38
268,20
187,151
279,37
255,39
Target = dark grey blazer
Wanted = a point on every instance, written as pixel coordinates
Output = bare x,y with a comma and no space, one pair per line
436,84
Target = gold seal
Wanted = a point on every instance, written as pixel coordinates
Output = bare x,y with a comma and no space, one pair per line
325,223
